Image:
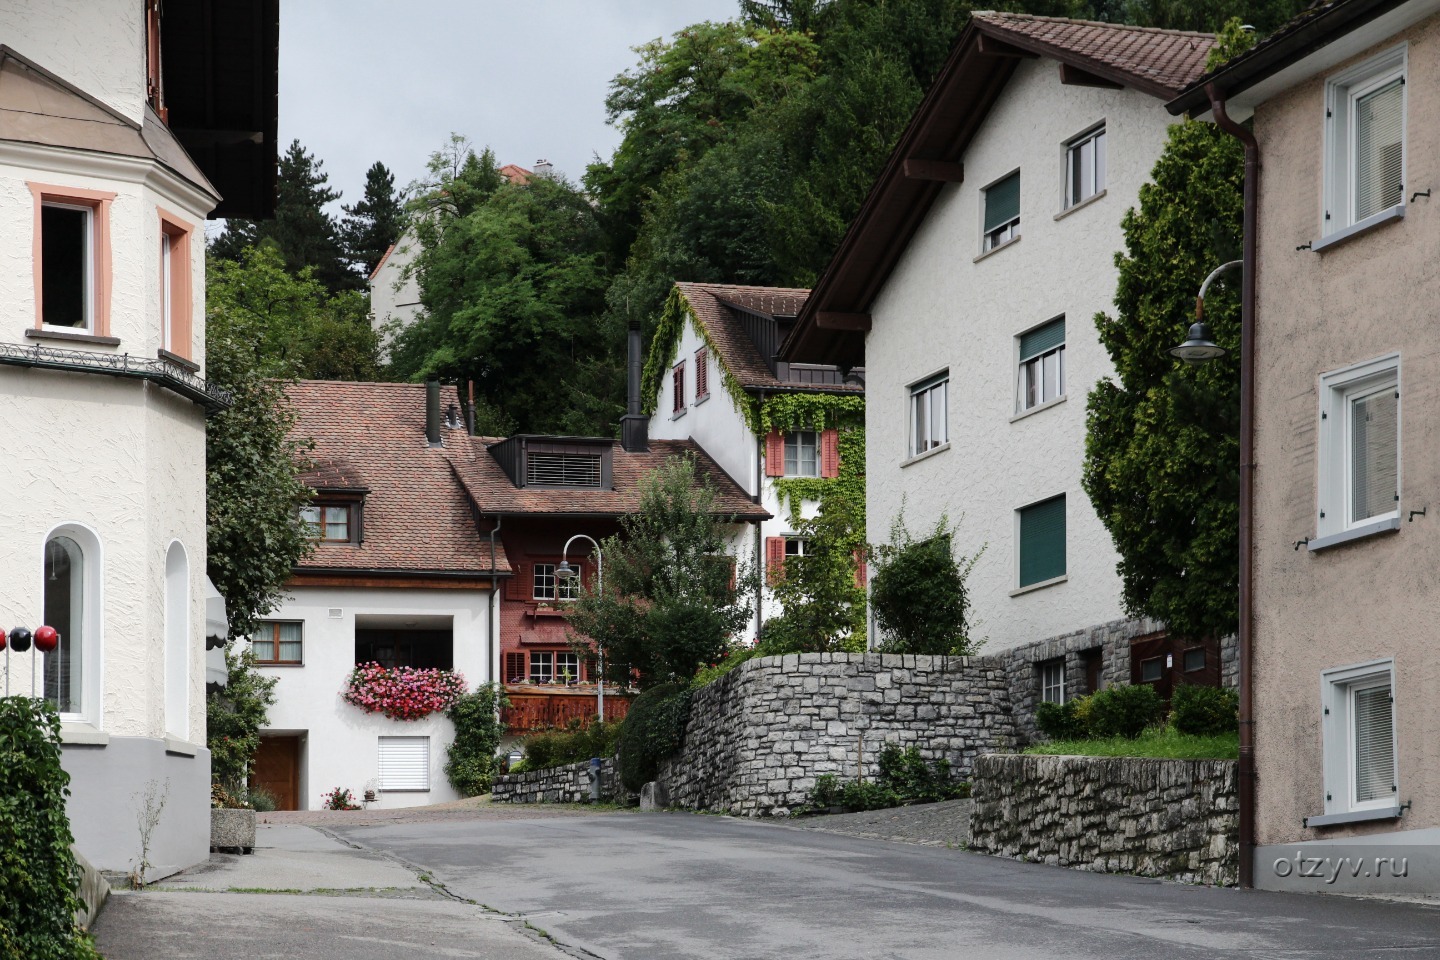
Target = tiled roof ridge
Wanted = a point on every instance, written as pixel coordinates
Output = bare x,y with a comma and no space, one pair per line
993,16
383,258
704,285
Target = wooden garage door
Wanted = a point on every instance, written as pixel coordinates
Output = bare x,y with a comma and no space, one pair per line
277,769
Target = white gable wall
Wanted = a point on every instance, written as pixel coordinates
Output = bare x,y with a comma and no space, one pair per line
97,45
942,309
393,295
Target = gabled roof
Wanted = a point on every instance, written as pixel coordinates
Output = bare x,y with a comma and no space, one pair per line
516,174
716,304
381,262
36,106
493,493
1157,62
417,514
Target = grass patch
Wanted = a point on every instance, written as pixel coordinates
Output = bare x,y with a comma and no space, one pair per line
1162,742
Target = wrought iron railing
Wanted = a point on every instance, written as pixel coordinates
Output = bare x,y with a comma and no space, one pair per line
160,372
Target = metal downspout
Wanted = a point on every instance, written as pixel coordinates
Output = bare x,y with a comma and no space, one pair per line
490,617
759,531
1245,647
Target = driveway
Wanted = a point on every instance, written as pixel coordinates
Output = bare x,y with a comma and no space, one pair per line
656,886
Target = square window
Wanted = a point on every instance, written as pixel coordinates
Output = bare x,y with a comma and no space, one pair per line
802,453
567,667
328,522
1365,141
929,425
1152,669
1085,166
794,546
1041,375
1042,541
542,666
544,581
1359,446
1359,738
279,642
1052,681
1194,659
1002,211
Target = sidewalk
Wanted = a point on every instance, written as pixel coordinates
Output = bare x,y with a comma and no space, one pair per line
303,893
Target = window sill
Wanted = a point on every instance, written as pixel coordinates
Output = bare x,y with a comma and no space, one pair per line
926,455
45,334
678,414
1038,407
1372,529
700,399
1353,816
1079,206
1041,585
275,663
178,360
80,733
180,748
994,250
1390,215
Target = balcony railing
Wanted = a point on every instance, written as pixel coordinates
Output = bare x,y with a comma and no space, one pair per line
530,710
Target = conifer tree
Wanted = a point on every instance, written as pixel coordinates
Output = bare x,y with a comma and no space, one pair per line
370,226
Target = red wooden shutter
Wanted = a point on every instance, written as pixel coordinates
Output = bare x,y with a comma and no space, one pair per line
861,569
702,373
775,454
679,378
829,453
774,559
514,667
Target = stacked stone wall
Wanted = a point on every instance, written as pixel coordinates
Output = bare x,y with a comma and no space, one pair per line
1175,819
566,784
759,736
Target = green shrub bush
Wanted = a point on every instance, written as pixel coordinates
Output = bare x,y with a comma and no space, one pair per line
904,777
470,761
1064,721
38,873
1205,711
574,744
652,731
1123,711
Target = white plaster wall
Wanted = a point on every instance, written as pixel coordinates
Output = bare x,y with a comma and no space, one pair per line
942,309
341,741
98,45
393,295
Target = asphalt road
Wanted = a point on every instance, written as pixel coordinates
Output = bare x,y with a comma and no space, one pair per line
659,886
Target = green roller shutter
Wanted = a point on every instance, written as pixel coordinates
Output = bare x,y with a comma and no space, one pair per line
1042,541
1042,339
1002,202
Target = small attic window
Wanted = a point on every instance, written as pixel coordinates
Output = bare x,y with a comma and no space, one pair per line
564,469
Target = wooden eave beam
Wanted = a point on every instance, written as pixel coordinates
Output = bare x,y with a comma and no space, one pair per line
943,171
990,47
849,322
1075,77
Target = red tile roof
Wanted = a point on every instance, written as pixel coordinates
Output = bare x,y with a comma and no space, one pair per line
714,305
417,517
516,174
381,262
493,492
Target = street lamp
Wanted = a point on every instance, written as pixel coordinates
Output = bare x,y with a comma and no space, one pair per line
1198,346
567,572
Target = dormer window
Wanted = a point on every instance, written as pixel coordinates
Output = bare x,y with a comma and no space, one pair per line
564,469
329,522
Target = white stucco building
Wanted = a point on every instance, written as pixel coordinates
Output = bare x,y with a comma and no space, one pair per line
715,374
968,287
102,396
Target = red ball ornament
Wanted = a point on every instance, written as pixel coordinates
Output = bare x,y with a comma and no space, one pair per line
4,638
47,639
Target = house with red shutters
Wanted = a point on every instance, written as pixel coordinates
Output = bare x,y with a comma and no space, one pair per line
782,430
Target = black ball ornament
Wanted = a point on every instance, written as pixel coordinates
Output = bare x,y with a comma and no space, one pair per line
20,639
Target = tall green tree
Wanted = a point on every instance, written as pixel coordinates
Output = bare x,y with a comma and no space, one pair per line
304,233
370,226
672,598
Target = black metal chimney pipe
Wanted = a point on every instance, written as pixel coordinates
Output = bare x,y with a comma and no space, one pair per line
634,426
432,412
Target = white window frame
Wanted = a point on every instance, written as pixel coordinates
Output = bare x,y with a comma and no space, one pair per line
1341,93
538,670
1097,179
92,606
572,660
1058,352
923,391
793,440
1005,232
1338,688
1337,389
88,261
798,542
1052,677
167,307
416,785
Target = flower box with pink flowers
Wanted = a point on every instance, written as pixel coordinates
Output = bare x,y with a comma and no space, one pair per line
402,693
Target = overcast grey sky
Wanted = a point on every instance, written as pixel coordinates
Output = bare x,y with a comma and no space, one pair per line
388,80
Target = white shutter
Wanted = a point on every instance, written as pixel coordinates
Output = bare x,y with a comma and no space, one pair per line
1374,744
404,763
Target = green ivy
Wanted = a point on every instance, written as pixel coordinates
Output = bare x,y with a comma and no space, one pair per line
676,314
470,762
807,411
38,873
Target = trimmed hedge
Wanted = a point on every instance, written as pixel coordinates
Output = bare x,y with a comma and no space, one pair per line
1205,711
38,873
653,730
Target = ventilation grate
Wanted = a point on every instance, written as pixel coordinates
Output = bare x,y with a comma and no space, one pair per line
563,469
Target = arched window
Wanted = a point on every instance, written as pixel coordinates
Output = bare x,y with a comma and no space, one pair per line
65,599
177,642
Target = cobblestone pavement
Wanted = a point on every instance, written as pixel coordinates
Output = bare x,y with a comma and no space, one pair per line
476,808
944,824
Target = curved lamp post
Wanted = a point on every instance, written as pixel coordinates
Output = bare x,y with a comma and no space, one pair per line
567,572
1199,346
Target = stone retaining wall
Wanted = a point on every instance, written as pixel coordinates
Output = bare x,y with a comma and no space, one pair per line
567,784
759,736
1175,819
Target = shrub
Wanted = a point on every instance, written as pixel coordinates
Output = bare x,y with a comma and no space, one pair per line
918,593
339,799
729,660
1205,711
470,762
652,731
1123,711
234,717
262,800
904,777
1064,721
826,792
38,874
